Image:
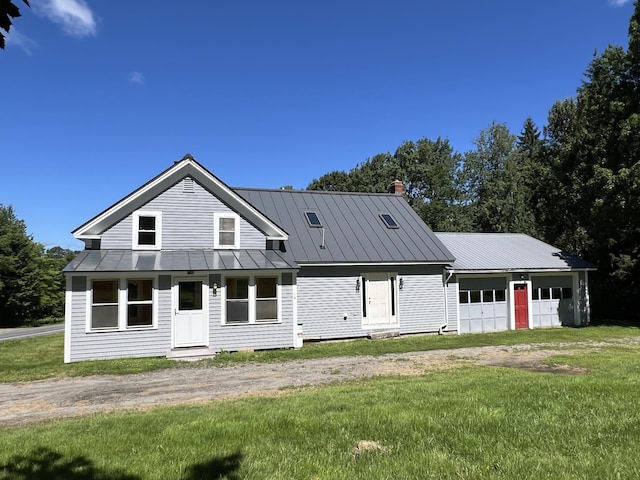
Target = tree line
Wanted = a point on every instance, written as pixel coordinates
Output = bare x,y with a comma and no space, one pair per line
31,280
574,184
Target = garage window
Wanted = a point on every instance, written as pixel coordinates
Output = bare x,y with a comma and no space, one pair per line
464,296
482,296
556,293
567,293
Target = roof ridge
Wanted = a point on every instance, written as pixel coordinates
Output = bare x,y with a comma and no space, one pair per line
321,192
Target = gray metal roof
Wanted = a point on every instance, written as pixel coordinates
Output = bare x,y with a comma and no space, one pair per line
507,251
178,260
352,227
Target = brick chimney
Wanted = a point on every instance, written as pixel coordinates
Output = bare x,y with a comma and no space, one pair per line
397,187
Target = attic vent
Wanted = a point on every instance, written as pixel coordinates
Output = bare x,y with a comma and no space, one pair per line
388,220
187,185
313,219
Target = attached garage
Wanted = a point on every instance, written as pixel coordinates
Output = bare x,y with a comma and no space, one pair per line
483,305
506,281
552,301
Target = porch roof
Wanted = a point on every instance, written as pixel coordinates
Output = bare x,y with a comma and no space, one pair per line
179,260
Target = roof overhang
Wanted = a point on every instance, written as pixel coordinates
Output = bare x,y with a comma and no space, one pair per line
113,261
520,270
181,169
369,264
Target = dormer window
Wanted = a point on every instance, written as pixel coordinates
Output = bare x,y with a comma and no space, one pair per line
147,230
226,230
313,219
388,220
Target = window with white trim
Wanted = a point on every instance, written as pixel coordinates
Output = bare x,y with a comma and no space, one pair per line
139,302
121,304
251,299
237,300
226,230
104,304
147,230
266,299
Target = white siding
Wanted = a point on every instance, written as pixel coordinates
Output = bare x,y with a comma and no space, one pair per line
187,222
255,336
452,306
117,344
421,303
323,302
326,295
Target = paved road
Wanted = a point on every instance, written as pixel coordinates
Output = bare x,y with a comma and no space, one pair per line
12,333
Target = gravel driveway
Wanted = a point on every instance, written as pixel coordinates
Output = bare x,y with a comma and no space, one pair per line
29,402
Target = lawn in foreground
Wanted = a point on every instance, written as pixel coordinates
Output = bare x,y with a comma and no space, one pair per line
469,423
42,357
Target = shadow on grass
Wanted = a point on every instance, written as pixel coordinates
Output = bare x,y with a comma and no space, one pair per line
216,468
47,464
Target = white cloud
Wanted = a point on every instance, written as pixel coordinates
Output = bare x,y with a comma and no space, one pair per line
17,39
618,3
137,78
75,16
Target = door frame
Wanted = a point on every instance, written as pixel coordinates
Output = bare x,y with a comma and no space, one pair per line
391,298
176,279
512,303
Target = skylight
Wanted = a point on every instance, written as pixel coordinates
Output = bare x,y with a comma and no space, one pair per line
388,220
313,219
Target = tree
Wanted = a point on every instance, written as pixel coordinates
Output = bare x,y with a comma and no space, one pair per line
594,158
20,270
8,11
429,172
494,181
432,183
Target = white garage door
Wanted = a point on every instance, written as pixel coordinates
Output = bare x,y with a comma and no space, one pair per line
552,301
483,305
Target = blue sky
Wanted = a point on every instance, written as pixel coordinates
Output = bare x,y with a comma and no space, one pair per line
101,96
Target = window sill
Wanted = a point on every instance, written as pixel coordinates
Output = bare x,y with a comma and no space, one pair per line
260,322
116,330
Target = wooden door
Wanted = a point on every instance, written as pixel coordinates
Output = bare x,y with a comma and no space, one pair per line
521,305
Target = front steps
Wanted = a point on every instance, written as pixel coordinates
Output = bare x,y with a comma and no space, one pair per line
190,353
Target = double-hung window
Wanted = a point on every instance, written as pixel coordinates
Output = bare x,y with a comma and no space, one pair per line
121,304
104,304
251,299
266,299
139,302
147,230
237,300
226,230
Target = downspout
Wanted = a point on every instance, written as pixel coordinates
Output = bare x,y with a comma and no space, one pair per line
446,302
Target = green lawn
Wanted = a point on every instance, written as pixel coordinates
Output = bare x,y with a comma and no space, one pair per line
42,357
469,423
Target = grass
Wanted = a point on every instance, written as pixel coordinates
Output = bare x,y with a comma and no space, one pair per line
472,423
42,357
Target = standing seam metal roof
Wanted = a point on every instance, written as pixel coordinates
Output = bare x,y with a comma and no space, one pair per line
507,251
353,229
178,260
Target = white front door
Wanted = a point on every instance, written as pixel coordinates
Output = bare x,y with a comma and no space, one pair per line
378,300
190,315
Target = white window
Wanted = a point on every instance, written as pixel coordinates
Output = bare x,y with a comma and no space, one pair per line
251,299
266,299
147,230
139,302
121,304
237,300
104,304
226,230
